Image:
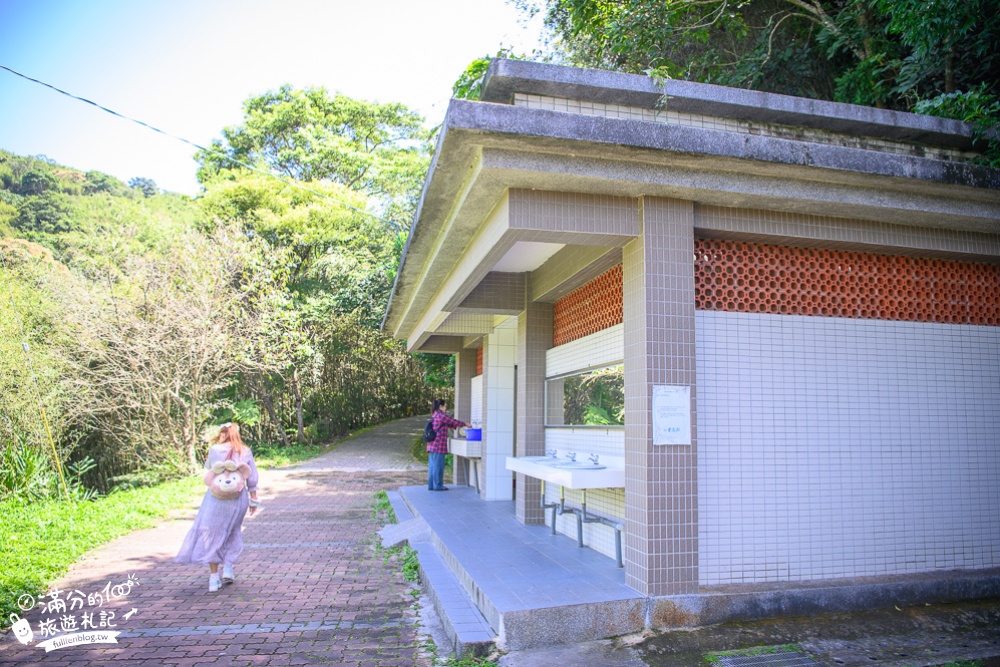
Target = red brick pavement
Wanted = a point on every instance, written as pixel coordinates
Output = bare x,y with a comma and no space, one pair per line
310,588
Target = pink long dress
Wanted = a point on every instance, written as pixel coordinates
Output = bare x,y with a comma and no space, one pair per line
216,536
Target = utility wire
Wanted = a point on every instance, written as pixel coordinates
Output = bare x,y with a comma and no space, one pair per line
202,148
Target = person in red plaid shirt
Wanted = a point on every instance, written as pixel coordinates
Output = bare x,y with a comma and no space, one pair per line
438,447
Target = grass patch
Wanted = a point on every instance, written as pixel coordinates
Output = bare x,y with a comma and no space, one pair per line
964,663
383,509
272,455
42,539
469,662
411,564
418,450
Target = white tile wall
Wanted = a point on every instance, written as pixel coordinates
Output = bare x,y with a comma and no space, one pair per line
603,348
501,355
476,400
608,503
835,448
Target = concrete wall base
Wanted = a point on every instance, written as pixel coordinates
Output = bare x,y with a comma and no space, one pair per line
743,603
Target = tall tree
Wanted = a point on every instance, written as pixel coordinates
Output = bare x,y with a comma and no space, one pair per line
309,135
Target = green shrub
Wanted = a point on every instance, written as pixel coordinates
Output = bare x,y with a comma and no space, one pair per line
43,538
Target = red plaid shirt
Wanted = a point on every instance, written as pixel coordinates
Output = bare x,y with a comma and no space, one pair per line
442,423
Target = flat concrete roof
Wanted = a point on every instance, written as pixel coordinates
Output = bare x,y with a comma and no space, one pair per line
506,77
490,146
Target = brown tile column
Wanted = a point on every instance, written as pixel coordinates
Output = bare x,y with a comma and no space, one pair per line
534,337
661,481
465,369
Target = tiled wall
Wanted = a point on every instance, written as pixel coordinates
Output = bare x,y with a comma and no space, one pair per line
498,435
832,447
608,503
479,361
476,399
591,308
602,348
661,482
534,338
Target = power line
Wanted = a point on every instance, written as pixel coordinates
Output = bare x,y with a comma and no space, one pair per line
201,148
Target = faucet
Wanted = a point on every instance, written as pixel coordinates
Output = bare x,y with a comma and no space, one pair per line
571,456
552,453
594,458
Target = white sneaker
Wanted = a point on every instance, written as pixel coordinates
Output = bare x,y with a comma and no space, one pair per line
227,574
213,583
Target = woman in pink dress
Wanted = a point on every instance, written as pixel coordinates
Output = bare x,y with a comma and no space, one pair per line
216,536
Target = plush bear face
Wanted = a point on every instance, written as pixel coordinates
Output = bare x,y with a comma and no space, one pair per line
227,479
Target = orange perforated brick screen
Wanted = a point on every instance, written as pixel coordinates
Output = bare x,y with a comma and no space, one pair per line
589,309
755,278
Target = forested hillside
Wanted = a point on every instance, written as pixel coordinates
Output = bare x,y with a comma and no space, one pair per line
150,316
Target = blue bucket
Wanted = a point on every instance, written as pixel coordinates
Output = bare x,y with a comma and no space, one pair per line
473,434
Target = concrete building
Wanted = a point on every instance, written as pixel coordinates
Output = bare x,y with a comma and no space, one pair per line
792,307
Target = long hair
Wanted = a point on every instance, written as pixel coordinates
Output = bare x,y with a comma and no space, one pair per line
230,434
438,402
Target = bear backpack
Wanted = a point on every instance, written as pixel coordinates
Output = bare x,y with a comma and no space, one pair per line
227,479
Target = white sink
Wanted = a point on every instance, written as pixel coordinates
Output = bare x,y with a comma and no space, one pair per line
472,449
551,460
570,474
579,465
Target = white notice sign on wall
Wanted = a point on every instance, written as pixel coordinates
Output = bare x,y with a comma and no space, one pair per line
671,414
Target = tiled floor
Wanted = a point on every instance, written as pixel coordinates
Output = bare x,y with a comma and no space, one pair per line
516,567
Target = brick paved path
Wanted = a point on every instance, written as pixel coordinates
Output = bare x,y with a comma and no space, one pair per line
310,588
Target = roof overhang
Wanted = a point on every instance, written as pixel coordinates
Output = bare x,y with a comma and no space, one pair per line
462,231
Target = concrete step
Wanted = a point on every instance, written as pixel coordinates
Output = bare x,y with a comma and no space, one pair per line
467,630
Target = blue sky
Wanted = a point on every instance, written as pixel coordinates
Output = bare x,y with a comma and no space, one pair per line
186,66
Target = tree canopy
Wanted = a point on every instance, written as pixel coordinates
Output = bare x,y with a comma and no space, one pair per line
308,135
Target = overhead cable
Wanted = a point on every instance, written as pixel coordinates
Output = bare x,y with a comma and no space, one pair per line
269,174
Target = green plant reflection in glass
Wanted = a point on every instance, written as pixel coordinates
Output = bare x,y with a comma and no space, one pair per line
594,398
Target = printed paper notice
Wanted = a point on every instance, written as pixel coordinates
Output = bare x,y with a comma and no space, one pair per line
671,414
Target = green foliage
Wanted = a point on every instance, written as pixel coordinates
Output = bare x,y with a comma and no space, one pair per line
43,215
439,371
880,52
43,538
146,186
884,53
469,85
97,181
30,378
383,508
366,378
270,455
308,135
977,106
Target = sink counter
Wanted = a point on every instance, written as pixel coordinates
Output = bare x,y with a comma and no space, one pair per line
472,449
580,476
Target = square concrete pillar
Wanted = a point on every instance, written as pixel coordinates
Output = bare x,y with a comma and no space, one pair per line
534,337
465,369
498,414
661,481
